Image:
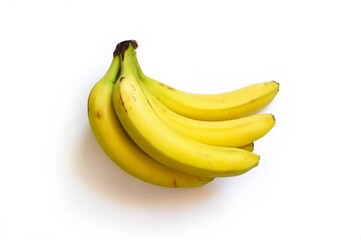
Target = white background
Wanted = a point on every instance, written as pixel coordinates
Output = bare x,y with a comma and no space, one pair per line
56,183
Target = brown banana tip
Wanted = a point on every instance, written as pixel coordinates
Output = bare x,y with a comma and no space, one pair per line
277,84
123,46
274,119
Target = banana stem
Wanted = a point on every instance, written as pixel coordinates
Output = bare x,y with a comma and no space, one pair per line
126,50
123,46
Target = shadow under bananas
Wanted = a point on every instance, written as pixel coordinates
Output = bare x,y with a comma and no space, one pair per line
106,178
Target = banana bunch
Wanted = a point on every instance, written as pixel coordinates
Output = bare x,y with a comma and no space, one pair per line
172,138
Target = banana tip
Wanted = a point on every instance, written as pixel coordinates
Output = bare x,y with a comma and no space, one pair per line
273,116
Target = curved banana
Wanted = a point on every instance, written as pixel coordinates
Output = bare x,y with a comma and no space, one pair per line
151,133
114,140
227,133
223,106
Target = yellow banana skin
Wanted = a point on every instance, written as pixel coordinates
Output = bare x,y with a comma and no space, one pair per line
248,147
227,133
114,140
151,134
212,107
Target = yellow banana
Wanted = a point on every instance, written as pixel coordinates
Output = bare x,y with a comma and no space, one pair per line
114,140
248,147
162,142
223,106
227,133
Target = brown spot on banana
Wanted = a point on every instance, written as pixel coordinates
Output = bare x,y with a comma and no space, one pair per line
119,79
99,114
122,104
169,87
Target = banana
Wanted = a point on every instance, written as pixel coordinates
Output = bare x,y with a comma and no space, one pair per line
227,133
116,143
163,143
223,106
248,147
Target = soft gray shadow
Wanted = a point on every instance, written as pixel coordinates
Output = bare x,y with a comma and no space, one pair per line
97,171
